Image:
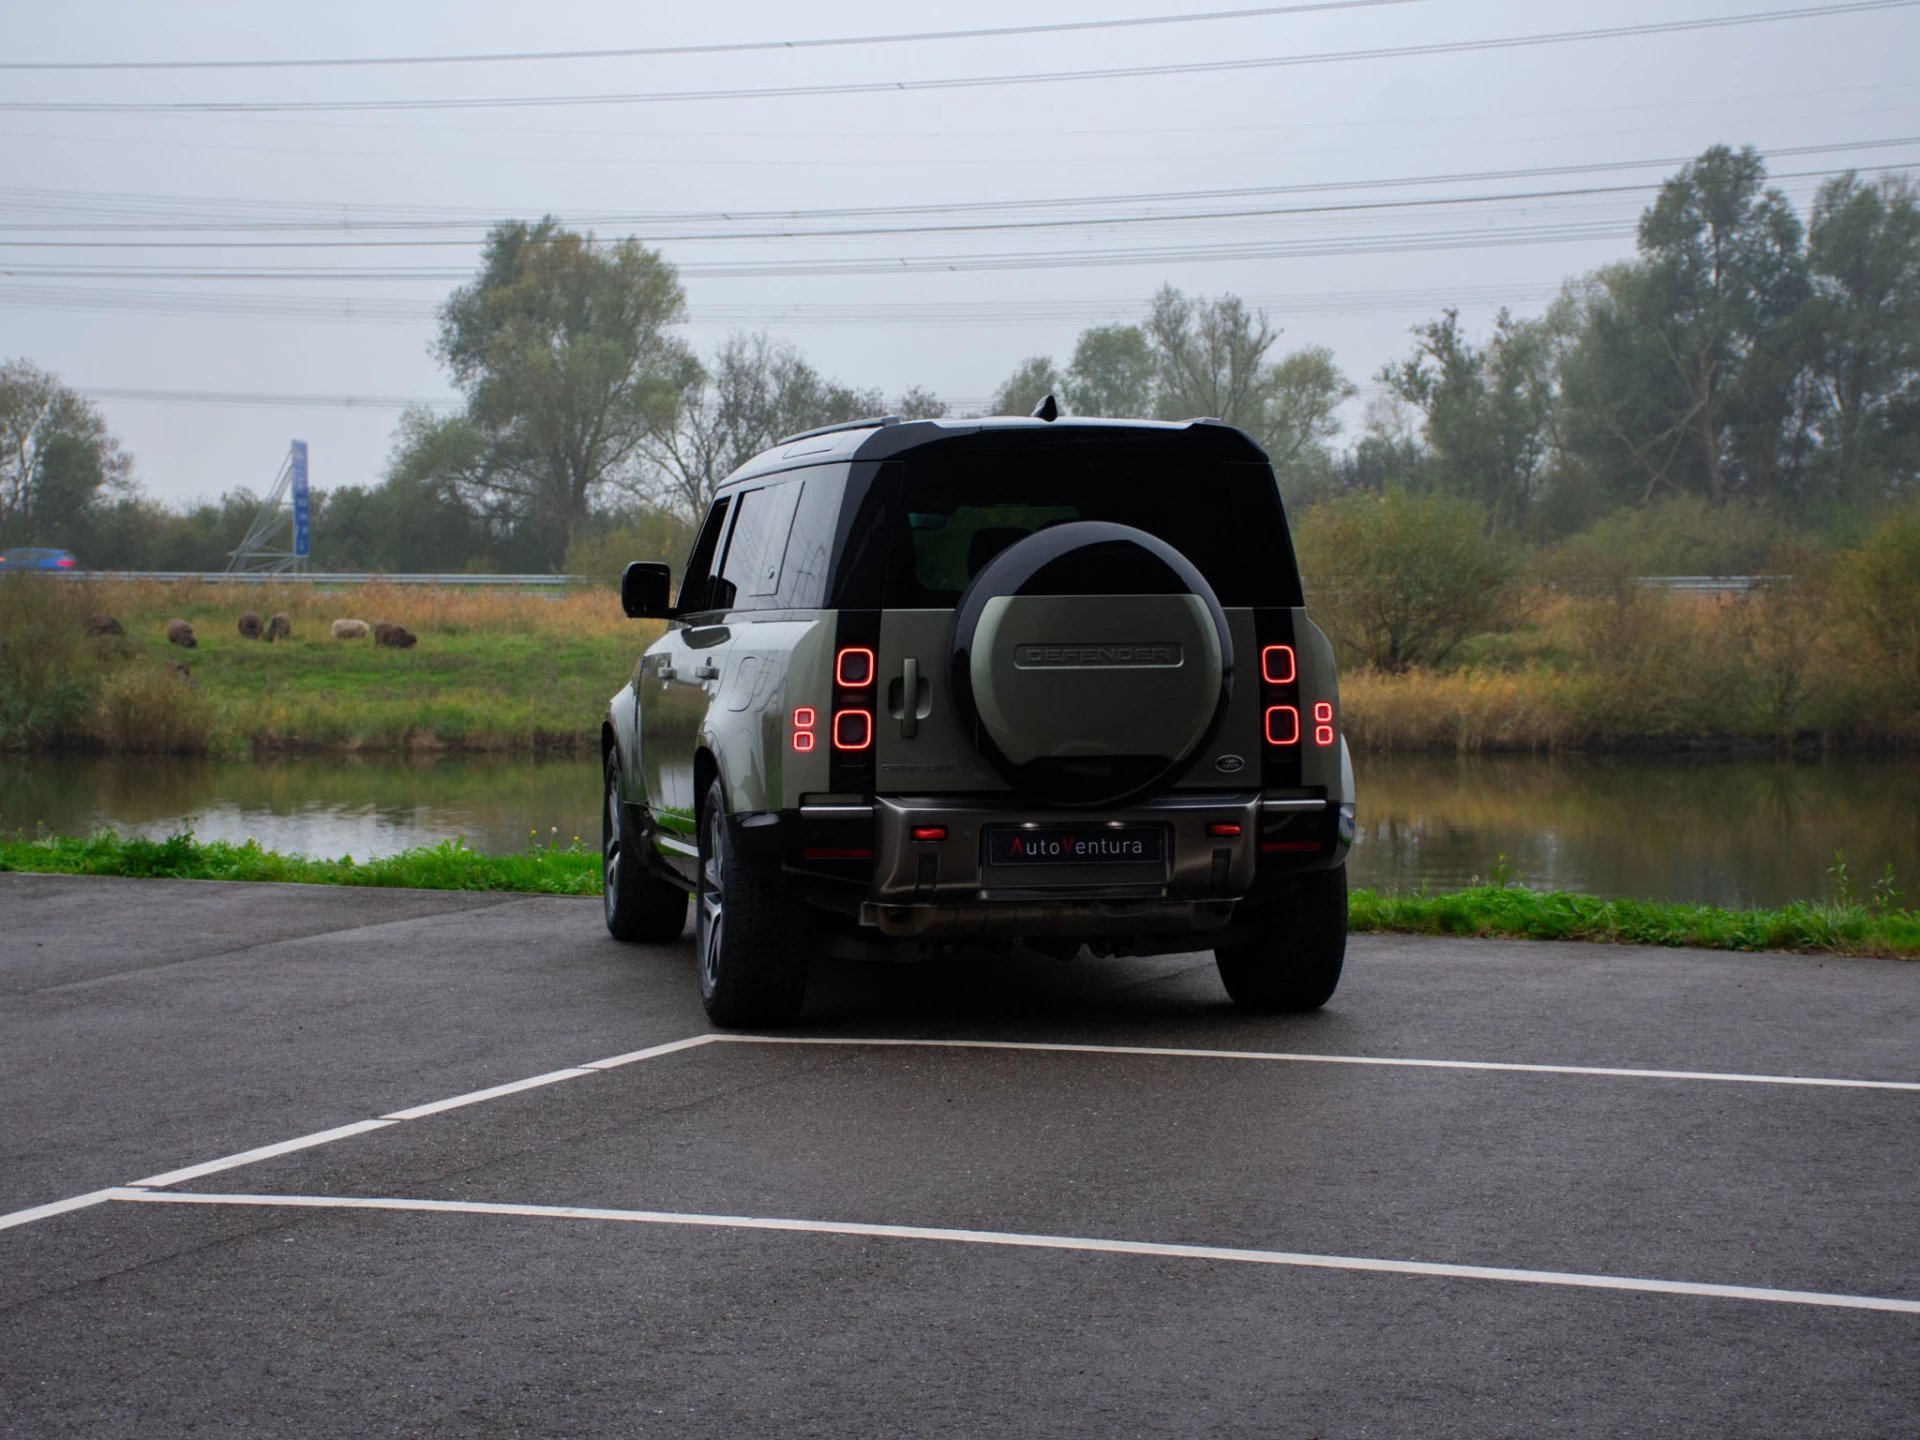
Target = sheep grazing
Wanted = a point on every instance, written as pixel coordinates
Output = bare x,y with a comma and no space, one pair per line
280,627
98,625
249,626
180,633
350,629
394,637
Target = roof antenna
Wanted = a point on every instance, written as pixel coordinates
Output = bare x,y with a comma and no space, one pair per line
1048,409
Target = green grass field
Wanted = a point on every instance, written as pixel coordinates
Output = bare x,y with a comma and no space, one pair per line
1490,911
492,671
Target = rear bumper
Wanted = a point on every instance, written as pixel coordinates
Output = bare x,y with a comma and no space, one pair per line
1221,848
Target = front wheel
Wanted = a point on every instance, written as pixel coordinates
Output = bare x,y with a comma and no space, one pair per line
1294,963
639,906
752,937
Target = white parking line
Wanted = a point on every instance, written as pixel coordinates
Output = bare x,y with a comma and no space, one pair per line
56,1207
264,1152
1016,1240
492,1092
592,1067
1307,1058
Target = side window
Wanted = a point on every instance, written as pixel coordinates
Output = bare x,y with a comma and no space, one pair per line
750,574
803,579
696,583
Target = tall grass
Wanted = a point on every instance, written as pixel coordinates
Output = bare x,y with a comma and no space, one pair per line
1627,666
493,670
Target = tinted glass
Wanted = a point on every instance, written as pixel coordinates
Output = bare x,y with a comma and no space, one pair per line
750,575
953,512
803,578
696,581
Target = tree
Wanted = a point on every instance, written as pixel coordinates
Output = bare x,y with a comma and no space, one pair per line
1207,358
1111,373
756,392
919,403
1210,359
561,348
58,460
1031,382
1863,253
1487,410
1414,575
1688,376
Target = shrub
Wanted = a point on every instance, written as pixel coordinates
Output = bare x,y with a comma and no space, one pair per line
1878,595
151,709
1403,579
1681,536
49,670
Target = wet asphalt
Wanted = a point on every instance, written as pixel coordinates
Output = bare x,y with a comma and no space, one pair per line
147,1026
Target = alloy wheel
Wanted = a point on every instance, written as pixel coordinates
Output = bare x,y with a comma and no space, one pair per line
712,898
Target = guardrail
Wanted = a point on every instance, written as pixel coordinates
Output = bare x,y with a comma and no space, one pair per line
1711,584
323,577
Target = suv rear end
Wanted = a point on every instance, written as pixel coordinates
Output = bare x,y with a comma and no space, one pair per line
1056,686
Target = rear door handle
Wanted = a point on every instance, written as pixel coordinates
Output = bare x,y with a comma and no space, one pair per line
910,697
708,671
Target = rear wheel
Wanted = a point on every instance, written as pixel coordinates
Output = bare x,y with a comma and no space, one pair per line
639,906
752,936
1294,962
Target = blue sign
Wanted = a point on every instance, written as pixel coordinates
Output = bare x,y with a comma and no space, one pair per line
300,498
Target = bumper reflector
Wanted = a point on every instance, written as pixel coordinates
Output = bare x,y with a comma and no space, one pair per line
929,832
1224,830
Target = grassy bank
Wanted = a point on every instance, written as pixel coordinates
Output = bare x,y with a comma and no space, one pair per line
1643,669
450,865
1846,926
492,671
1625,669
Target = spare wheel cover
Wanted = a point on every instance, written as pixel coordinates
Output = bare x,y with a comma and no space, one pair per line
1091,661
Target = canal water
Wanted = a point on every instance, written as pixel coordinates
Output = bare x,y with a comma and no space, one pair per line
1723,832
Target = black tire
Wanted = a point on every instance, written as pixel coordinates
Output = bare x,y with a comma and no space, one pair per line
1294,963
638,905
751,937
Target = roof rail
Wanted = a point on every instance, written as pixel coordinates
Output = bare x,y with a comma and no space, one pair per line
872,422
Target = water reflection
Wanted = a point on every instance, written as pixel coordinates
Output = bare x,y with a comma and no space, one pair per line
326,806
1722,832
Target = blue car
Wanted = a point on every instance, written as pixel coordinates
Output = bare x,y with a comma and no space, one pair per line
35,557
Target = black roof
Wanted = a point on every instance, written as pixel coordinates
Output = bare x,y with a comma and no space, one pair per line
887,437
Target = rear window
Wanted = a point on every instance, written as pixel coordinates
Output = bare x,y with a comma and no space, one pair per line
951,513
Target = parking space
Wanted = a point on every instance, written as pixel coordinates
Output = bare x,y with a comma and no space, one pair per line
1497,1189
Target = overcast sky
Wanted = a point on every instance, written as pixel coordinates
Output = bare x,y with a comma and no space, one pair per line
92,290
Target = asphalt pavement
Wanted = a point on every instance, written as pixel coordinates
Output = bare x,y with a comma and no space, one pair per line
315,1161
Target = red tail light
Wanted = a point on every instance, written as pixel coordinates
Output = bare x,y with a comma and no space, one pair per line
853,668
852,729
1277,665
803,722
1283,725
1323,723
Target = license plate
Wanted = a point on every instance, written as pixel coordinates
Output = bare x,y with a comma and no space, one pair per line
1037,845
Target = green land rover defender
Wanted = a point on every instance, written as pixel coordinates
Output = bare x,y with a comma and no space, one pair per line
1046,683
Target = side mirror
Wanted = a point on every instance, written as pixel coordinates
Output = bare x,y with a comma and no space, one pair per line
643,591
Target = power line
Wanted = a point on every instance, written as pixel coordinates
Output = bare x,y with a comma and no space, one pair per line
734,47
1479,236
315,215
871,87
797,315
252,397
